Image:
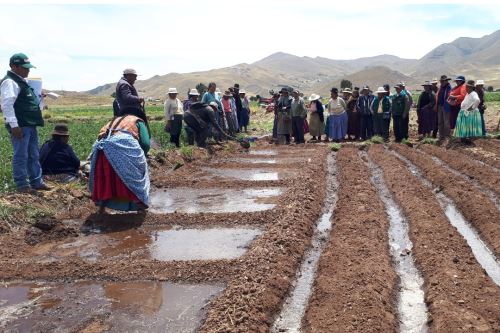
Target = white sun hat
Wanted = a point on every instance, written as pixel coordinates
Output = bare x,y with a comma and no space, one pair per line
314,97
172,91
381,90
479,82
194,92
242,91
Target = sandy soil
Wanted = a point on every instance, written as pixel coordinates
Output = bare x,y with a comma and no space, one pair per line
460,296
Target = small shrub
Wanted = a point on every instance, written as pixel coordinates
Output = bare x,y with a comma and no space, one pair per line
429,141
407,142
186,152
377,139
335,146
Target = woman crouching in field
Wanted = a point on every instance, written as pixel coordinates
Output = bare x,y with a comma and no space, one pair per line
119,177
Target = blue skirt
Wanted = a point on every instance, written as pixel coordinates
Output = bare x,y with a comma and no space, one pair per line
337,126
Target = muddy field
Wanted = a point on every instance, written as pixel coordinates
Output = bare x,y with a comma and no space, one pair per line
276,239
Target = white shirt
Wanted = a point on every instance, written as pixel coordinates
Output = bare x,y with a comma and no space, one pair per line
336,106
9,90
172,107
471,101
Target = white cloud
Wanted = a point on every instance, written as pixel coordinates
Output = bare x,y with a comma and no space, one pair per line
79,47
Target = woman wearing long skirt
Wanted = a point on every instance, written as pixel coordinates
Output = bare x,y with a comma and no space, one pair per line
337,119
425,111
352,115
316,117
119,177
469,119
245,111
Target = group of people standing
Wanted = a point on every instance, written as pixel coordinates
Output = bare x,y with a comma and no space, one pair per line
360,114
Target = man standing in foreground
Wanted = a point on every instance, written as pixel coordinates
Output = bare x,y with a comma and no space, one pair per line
22,114
126,94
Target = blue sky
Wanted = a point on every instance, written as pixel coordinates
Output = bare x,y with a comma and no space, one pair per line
78,47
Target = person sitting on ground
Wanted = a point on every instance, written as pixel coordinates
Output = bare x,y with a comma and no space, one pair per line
119,177
199,117
58,160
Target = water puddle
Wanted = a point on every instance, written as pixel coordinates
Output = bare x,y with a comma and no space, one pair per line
480,250
109,306
290,318
489,193
248,174
216,200
263,152
253,160
412,310
163,245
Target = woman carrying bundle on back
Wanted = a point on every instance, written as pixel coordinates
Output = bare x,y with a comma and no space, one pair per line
119,177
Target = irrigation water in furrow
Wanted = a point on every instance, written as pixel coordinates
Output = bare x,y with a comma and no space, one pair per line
290,318
412,311
481,252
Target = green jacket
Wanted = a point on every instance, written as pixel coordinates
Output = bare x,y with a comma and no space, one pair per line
27,104
398,104
386,107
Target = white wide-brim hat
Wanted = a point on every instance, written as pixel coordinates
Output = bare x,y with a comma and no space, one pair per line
172,91
479,82
194,92
380,90
314,97
242,91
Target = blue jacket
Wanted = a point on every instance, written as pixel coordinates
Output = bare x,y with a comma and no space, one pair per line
363,104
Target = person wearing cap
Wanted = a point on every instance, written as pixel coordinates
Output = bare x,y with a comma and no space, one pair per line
22,114
337,117
381,110
443,108
469,119
399,101
482,106
57,158
455,99
425,111
299,113
199,117
173,116
366,117
126,94
284,128
353,117
245,111
316,117
119,176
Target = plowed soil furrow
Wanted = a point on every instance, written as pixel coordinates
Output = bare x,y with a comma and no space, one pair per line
356,283
472,203
484,174
119,270
265,273
483,156
460,296
492,145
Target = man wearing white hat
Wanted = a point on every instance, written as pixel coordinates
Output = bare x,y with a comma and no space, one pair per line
173,116
381,110
126,94
481,107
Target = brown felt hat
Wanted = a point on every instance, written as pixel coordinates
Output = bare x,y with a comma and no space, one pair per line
61,130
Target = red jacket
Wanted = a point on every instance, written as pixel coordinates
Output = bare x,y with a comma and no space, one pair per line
459,93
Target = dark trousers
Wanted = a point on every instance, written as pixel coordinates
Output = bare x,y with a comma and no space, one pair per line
406,124
275,127
366,127
397,126
384,128
175,131
298,129
200,133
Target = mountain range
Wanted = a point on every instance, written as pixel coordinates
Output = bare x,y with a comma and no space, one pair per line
478,58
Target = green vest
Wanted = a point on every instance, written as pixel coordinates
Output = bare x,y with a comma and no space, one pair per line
26,106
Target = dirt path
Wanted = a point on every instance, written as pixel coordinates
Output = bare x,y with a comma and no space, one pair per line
484,174
356,283
460,296
473,204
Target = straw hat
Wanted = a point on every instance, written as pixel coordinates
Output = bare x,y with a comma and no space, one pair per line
434,80
480,83
194,92
242,91
227,93
347,90
380,90
314,97
172,91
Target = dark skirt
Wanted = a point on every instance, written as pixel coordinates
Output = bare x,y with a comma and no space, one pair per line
454,110
426,120
244,118
353,122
